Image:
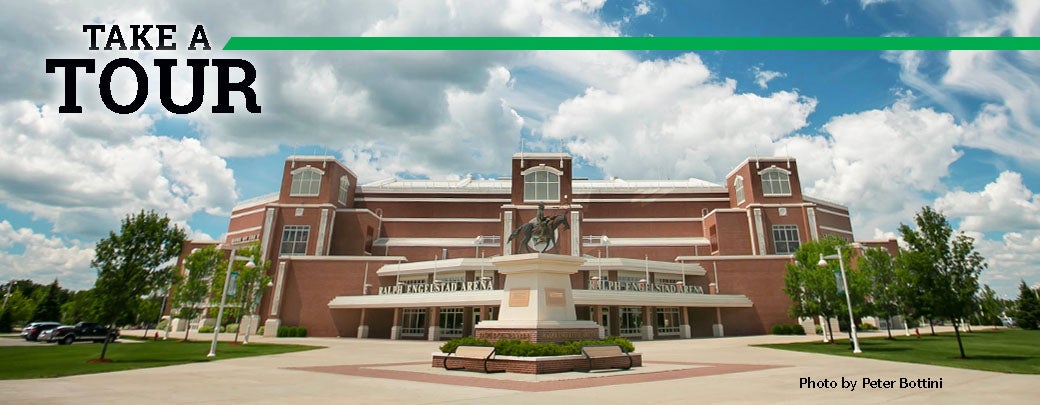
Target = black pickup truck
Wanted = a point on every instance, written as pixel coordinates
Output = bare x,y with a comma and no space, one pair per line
66,335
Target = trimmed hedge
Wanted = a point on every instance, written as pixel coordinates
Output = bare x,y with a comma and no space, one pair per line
292,331
784,329
206,329
866,326
527,349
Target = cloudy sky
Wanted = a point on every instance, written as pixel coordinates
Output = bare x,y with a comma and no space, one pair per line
882,132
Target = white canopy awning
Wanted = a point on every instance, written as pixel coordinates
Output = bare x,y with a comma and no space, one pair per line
581,297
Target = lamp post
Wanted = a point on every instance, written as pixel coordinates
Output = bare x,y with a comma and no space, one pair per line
848,299
223,298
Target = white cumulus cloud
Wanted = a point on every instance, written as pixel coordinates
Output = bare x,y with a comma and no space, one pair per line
671,119
44,258
1003,205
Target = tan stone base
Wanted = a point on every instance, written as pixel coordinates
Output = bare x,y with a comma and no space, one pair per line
537,335
539,365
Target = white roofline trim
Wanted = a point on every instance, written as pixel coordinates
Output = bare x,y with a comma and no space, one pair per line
647,200
827,228
737,257
255,201
426,242
821,201
698,219
345,258
442,220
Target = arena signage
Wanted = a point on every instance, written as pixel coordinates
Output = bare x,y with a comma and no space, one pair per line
630,286
437,287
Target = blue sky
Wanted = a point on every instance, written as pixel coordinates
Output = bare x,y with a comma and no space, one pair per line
882,132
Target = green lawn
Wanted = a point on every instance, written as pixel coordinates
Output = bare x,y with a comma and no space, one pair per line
51,360
1008,351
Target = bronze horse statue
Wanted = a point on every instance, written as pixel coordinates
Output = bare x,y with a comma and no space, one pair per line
544,232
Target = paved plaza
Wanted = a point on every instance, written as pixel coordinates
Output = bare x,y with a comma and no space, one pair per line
724,370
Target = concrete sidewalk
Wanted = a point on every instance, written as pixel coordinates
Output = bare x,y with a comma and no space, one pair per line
383,371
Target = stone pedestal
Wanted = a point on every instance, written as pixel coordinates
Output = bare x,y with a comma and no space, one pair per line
648,332
808,326
271,327
685,332
395,332
178,325
434,333
538,305
717,330
362,331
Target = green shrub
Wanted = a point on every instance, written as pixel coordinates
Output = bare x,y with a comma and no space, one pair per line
292,331
450,345
527,349
867,326
819,329
232,328
205,329
260,331
784,329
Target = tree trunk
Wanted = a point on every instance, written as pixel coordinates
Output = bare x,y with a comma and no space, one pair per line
931,324
888,323
829,330
104,347
960,345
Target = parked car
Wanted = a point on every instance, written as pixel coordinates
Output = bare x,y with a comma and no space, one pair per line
1008,322
33,329
66,335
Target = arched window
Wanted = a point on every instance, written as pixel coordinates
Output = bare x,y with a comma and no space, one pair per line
344,189
305,182
776,182
541,184
738,189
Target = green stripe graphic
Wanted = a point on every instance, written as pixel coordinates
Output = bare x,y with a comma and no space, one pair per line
627,43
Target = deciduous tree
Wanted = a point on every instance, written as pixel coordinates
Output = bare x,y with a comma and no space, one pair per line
949,278
134,263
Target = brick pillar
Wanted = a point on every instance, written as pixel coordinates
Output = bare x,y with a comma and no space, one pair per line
467,321
648,324
362,329
684,329
597,315
485,313
433,322
717,330
395,331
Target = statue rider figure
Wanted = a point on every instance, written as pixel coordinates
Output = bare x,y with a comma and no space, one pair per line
541,224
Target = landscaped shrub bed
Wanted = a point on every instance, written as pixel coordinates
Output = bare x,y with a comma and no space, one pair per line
783,329
292,331
527,349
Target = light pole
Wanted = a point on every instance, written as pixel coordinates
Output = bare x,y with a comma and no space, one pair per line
848,299
223,298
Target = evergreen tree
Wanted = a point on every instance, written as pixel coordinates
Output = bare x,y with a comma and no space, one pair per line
1027,315
49,306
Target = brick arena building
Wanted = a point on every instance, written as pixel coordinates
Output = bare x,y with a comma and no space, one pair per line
411,259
